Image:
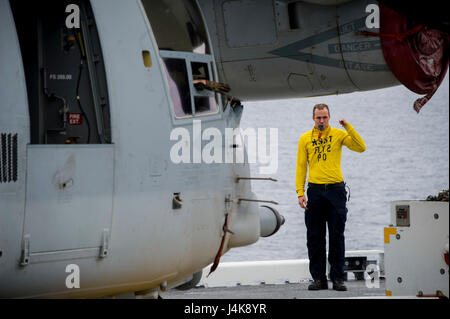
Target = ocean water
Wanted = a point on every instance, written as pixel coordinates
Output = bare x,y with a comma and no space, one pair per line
407,158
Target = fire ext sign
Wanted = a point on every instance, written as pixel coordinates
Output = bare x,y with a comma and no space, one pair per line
74,118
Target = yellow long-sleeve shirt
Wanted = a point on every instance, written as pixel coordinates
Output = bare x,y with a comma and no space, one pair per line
323,155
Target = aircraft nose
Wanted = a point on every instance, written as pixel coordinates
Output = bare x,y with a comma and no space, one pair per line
270,220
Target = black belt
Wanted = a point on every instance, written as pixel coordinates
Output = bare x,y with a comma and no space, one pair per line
326,186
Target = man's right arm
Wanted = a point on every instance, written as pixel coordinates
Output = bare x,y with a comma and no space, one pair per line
301,170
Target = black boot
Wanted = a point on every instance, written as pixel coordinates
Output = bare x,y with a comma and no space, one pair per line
318,285
339,285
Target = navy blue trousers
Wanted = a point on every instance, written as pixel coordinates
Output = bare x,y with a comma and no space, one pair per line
326,207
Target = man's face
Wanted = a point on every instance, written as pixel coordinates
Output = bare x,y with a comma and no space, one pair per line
321,117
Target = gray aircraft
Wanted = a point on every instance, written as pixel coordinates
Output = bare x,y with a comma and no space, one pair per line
117,174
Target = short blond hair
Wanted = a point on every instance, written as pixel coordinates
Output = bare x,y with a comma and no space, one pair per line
320,106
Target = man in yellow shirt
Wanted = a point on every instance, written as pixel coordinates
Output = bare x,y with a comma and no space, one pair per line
320,149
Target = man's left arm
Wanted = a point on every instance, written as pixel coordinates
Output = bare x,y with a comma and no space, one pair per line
353,140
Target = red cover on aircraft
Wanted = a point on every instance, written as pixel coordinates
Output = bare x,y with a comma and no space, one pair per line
418,56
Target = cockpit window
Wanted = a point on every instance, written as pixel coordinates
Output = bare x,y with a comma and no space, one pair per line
177,78
186,57
177,25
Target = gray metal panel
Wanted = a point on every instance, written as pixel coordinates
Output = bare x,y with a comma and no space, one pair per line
13,120
69,196
414,256
243,29
308,41
362,54
263,71
13,104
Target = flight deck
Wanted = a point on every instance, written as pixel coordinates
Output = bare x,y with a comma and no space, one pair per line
299,290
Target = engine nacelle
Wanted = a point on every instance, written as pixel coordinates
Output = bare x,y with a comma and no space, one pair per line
273,49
